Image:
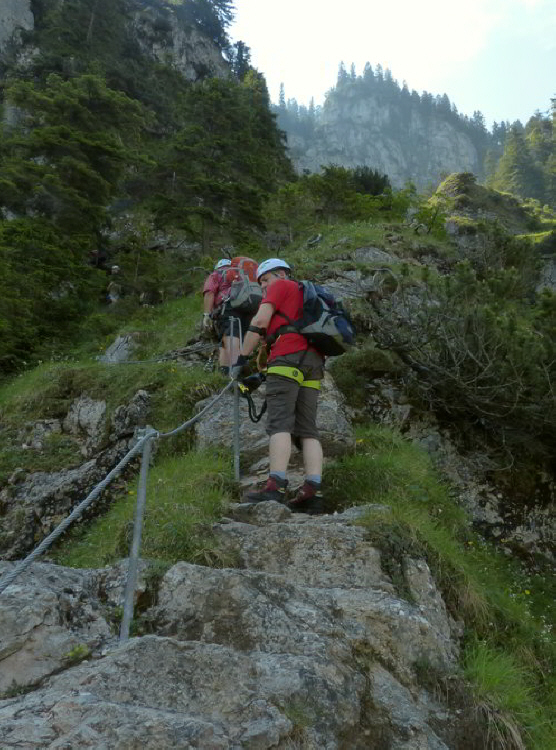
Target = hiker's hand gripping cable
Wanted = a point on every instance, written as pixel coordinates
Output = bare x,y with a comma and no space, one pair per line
207,323
256,330
237,369
208,306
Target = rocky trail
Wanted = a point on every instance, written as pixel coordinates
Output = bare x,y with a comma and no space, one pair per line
304,643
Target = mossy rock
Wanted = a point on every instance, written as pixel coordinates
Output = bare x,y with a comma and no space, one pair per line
354,370
479,202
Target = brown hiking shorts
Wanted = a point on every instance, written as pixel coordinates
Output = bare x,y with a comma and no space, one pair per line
292,407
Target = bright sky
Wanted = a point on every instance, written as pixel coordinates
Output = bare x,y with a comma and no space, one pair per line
497,56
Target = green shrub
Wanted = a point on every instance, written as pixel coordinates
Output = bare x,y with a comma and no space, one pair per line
353,370
480,352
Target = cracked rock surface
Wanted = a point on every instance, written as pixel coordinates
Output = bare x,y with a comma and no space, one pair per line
305,644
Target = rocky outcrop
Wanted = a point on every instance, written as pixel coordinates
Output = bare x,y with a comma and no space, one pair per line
154,26
548,275
32,504
120,350
352,132
47,617
15,16
53,617
305,644
526,528
162,37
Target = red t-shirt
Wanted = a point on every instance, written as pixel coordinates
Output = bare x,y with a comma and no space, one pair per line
218,285
285,296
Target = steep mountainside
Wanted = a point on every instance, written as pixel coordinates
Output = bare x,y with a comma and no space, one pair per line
417,612
352,131
154,26
369,121
253,627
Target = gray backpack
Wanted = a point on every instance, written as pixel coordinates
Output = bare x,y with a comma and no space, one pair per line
245,293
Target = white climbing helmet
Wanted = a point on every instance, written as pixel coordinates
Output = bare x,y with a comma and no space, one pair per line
272,264
222,263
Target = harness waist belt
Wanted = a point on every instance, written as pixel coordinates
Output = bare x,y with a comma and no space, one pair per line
294,374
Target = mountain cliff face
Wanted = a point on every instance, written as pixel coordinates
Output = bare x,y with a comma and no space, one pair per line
15,15
154,26
187,50
353,132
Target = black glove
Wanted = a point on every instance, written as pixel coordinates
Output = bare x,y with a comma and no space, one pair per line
237,369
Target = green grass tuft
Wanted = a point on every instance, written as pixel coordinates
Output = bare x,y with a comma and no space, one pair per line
504,689
185,495
412,513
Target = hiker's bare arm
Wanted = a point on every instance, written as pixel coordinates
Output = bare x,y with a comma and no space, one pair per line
208,302
261,320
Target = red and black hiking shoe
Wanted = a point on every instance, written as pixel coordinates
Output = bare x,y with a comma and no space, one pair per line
275,489
308,499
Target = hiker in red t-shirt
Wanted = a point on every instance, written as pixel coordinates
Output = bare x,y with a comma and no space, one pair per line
215,290
294,374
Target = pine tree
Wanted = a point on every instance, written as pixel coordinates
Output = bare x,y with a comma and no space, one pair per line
342,75
550,168
212,17
219,168
282,97
67,161
517,172
240,59
444,106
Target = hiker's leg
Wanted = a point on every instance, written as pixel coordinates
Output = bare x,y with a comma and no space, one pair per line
281,395
308,498
223,356
312,456
229,351
280,451
306,429
306,415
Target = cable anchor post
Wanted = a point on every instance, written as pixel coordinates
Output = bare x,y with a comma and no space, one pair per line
147,435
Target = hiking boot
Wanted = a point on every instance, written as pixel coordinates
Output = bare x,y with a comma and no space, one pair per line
308,500
275,489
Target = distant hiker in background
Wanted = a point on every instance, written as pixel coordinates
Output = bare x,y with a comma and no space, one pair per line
230,292
114,290
294,374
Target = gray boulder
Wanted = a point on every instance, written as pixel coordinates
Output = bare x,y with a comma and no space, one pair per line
120,350
49,618
306,645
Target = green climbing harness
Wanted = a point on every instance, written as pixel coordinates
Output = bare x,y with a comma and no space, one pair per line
294,374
